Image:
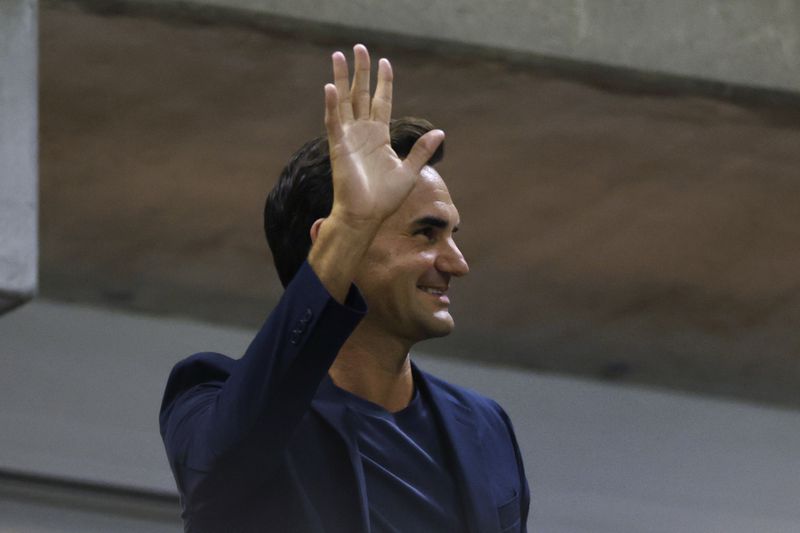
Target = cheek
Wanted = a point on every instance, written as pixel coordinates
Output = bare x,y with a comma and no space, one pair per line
376,275
424,260
374,263
397,262
392,269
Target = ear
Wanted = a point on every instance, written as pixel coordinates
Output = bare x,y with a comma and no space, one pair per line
314,231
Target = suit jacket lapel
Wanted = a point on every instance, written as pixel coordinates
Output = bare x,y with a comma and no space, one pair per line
337,415
461,435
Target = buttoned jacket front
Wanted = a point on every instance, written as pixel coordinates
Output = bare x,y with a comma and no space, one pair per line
253,450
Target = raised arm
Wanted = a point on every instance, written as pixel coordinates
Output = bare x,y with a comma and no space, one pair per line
369,180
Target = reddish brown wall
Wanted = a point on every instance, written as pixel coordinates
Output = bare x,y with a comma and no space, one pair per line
650,238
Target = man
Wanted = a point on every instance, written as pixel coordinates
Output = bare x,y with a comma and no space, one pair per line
325,425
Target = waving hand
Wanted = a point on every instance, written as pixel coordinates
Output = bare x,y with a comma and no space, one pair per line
369,180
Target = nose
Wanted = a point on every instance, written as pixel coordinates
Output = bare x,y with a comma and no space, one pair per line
452,261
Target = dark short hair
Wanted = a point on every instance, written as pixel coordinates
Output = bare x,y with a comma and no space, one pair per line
304,193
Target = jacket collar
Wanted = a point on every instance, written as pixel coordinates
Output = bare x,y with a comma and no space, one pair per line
337,416
461,437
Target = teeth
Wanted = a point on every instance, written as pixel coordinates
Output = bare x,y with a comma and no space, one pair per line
431,290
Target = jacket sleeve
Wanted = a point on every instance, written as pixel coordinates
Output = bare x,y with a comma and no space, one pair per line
223,420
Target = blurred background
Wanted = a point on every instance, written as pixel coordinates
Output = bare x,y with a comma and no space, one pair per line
627,173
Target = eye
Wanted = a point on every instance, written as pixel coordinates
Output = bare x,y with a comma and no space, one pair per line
428,232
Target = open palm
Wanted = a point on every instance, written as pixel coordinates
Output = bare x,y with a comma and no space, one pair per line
369,180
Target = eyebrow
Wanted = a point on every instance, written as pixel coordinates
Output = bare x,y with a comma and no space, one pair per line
434,221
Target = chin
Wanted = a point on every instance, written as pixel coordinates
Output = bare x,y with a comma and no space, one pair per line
439,327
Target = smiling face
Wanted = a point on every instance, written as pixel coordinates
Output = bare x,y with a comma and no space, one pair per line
406,271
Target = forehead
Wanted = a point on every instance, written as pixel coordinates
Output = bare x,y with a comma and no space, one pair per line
428,197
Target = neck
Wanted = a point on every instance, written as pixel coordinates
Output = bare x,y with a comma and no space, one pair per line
375,368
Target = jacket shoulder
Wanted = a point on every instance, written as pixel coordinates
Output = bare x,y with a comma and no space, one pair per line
198,369
481,405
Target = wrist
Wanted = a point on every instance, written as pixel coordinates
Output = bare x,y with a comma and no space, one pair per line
338,250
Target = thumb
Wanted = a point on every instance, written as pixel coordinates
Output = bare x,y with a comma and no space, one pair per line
423,150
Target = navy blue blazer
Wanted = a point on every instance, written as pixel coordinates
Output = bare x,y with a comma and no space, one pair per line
253,450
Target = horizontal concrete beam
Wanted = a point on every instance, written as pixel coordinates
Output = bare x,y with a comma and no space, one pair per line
739,42
18,152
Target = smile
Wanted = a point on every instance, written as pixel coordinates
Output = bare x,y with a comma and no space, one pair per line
432,290
438,293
